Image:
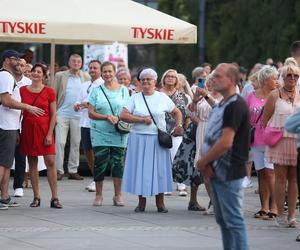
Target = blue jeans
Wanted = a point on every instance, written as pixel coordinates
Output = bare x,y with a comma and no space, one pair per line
227,199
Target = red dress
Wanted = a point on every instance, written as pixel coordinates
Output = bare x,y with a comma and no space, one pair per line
34,128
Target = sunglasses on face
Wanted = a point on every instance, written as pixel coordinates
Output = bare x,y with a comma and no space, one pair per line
292,76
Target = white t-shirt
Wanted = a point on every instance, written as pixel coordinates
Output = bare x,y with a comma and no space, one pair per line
9,118
25,81
159,103
85,91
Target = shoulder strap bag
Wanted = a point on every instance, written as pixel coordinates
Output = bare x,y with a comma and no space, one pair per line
252,129
164,138
121,126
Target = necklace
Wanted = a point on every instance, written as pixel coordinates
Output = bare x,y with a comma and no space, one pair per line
288,90
290,96
169,92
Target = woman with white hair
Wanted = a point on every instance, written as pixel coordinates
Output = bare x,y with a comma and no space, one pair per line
148,165
267,79
282,148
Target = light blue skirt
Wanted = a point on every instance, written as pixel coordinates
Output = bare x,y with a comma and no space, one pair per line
148,166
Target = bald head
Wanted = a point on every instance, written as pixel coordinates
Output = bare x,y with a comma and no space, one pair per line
225,77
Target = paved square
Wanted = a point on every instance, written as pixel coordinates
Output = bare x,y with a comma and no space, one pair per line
79,225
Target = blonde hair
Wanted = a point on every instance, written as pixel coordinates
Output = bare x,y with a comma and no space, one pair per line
291,67
290,61
162,82
186,86
265,73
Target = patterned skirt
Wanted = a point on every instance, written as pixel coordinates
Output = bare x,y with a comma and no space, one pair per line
283,153
183,165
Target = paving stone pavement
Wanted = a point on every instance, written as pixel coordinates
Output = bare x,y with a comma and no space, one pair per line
79,225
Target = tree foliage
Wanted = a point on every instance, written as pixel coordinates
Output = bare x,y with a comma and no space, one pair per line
243,31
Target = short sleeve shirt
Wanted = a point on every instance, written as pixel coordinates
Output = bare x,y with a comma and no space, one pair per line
9,118
233,113
159,104
103,133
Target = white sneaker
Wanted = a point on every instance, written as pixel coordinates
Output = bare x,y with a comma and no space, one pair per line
92,187
168,193
183,193
19,192
247,183
181,187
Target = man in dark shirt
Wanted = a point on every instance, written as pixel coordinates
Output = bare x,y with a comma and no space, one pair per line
226,146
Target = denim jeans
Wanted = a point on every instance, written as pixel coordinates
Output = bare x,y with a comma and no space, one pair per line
227,199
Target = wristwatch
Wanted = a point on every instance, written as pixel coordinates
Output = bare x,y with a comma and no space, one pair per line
206,97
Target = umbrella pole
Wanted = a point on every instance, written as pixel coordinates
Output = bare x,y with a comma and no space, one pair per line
52,62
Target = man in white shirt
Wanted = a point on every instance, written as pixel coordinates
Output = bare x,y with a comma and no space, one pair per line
82,105
20,160
10,110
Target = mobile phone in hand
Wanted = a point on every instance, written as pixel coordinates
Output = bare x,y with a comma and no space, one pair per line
201,83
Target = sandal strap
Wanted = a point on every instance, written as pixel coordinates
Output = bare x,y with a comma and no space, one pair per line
36,202
55,203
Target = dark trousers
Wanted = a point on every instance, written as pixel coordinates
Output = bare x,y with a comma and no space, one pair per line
298,174
20,165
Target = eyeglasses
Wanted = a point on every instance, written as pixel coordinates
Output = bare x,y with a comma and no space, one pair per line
14,58
292,76
169,76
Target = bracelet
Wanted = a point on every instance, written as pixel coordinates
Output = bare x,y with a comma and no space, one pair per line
179,126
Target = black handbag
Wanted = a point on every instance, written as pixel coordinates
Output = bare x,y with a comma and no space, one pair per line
252,128
164,138
121,126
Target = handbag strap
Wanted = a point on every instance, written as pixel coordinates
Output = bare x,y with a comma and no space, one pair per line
149,109
107,99
261,112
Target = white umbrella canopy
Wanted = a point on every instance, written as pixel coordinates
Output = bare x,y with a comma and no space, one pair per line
90,21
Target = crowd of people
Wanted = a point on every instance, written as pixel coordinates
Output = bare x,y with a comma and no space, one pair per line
150,134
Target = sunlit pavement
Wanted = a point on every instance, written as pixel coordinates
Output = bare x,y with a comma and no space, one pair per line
79,225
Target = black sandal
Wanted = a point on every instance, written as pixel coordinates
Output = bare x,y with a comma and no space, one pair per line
139,209
260,214
270,216
298,238
36,202
195,207
55,203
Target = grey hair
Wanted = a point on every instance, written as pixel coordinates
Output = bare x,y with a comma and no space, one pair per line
148,72
265,73
196,72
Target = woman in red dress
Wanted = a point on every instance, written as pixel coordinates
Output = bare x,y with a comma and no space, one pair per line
37,133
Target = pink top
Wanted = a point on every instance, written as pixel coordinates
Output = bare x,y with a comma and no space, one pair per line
255,106
283,109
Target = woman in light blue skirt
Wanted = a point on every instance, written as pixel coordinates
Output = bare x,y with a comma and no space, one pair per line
148,166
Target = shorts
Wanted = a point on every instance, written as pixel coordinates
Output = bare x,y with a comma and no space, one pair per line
7,147
86,139
105,157
258,155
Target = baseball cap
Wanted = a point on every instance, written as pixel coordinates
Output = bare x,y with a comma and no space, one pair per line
11,53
